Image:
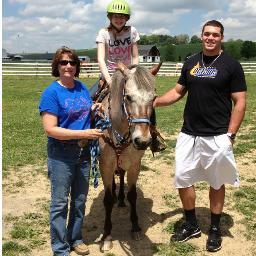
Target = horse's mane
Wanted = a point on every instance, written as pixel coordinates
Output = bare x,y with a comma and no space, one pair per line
142,77
117,84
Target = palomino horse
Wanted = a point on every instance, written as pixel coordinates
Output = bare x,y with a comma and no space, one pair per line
128,106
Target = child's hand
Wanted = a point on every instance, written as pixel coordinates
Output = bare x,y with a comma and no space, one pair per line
97,106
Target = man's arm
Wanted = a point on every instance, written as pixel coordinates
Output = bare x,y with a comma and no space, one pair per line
170,97
237,116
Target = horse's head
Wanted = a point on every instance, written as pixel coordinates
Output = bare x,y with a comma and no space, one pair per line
137,100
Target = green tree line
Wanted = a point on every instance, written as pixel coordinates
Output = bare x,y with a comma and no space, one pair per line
179,47
174,48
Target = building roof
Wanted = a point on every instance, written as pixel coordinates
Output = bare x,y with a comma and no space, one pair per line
148,50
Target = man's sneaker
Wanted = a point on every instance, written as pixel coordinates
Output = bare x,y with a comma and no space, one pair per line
214,240
81,249
186,232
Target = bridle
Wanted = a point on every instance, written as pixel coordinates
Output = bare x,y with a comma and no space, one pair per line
129,117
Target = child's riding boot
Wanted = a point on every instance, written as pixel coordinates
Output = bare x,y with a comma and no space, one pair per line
158,144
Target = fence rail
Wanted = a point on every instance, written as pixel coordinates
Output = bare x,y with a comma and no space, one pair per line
92,69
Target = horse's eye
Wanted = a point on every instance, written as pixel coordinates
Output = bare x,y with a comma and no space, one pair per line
128,97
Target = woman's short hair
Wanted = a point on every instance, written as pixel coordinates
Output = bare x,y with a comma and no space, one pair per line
58,57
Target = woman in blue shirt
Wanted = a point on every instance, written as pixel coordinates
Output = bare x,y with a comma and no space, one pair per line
65,108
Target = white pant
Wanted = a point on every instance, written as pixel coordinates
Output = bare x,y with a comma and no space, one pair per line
208,159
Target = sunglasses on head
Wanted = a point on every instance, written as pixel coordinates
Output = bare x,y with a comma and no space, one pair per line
65,62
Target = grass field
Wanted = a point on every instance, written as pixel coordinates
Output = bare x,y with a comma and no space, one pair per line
24,143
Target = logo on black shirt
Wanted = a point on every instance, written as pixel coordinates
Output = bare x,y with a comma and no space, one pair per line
199,71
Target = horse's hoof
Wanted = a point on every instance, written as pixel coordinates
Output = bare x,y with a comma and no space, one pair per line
137,235
106,244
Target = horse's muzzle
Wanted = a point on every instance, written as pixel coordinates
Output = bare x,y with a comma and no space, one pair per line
141,144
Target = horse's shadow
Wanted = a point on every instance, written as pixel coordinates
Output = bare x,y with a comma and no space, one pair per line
94,223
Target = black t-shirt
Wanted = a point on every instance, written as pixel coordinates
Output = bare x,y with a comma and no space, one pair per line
208,108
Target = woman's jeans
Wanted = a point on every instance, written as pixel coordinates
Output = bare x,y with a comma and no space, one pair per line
69,172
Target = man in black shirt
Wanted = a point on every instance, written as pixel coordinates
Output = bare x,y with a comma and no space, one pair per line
213,81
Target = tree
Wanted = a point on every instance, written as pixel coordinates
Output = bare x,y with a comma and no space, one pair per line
235,40
143,40
233,49
181,39
168,52
195,39
248,49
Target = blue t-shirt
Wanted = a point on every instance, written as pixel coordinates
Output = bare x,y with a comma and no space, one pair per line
71,106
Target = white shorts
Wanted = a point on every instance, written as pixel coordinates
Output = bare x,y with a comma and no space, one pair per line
208,159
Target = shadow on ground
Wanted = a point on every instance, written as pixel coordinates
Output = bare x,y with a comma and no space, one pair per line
94,223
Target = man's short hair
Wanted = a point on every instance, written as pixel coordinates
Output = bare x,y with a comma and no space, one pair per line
214,23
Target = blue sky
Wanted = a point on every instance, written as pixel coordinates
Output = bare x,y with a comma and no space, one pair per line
45,25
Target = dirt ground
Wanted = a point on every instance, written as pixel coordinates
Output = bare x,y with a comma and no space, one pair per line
154,214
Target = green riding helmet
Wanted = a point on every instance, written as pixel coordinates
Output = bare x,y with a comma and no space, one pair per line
119,6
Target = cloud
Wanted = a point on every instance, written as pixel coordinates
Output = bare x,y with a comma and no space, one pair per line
46,24
245,8
164,6
161,31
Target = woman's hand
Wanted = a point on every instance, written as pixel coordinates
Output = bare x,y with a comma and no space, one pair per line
92,134
89,134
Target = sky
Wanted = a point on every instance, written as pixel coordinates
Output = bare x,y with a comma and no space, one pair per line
30,26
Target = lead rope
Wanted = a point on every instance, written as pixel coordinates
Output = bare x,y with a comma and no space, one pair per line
101,122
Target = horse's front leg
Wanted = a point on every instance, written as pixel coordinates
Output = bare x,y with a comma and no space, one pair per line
107,176
106,241
114,189
132,177
121,195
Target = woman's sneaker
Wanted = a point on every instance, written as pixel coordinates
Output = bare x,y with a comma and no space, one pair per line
81,249
186,232
214,240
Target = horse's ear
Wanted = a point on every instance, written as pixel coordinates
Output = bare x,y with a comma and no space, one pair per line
125,71
156,68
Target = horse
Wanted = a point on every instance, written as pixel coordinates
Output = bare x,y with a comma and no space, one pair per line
128,106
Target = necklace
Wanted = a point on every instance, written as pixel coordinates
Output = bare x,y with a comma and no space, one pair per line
211,62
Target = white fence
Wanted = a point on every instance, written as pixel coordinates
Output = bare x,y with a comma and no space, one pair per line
92,69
